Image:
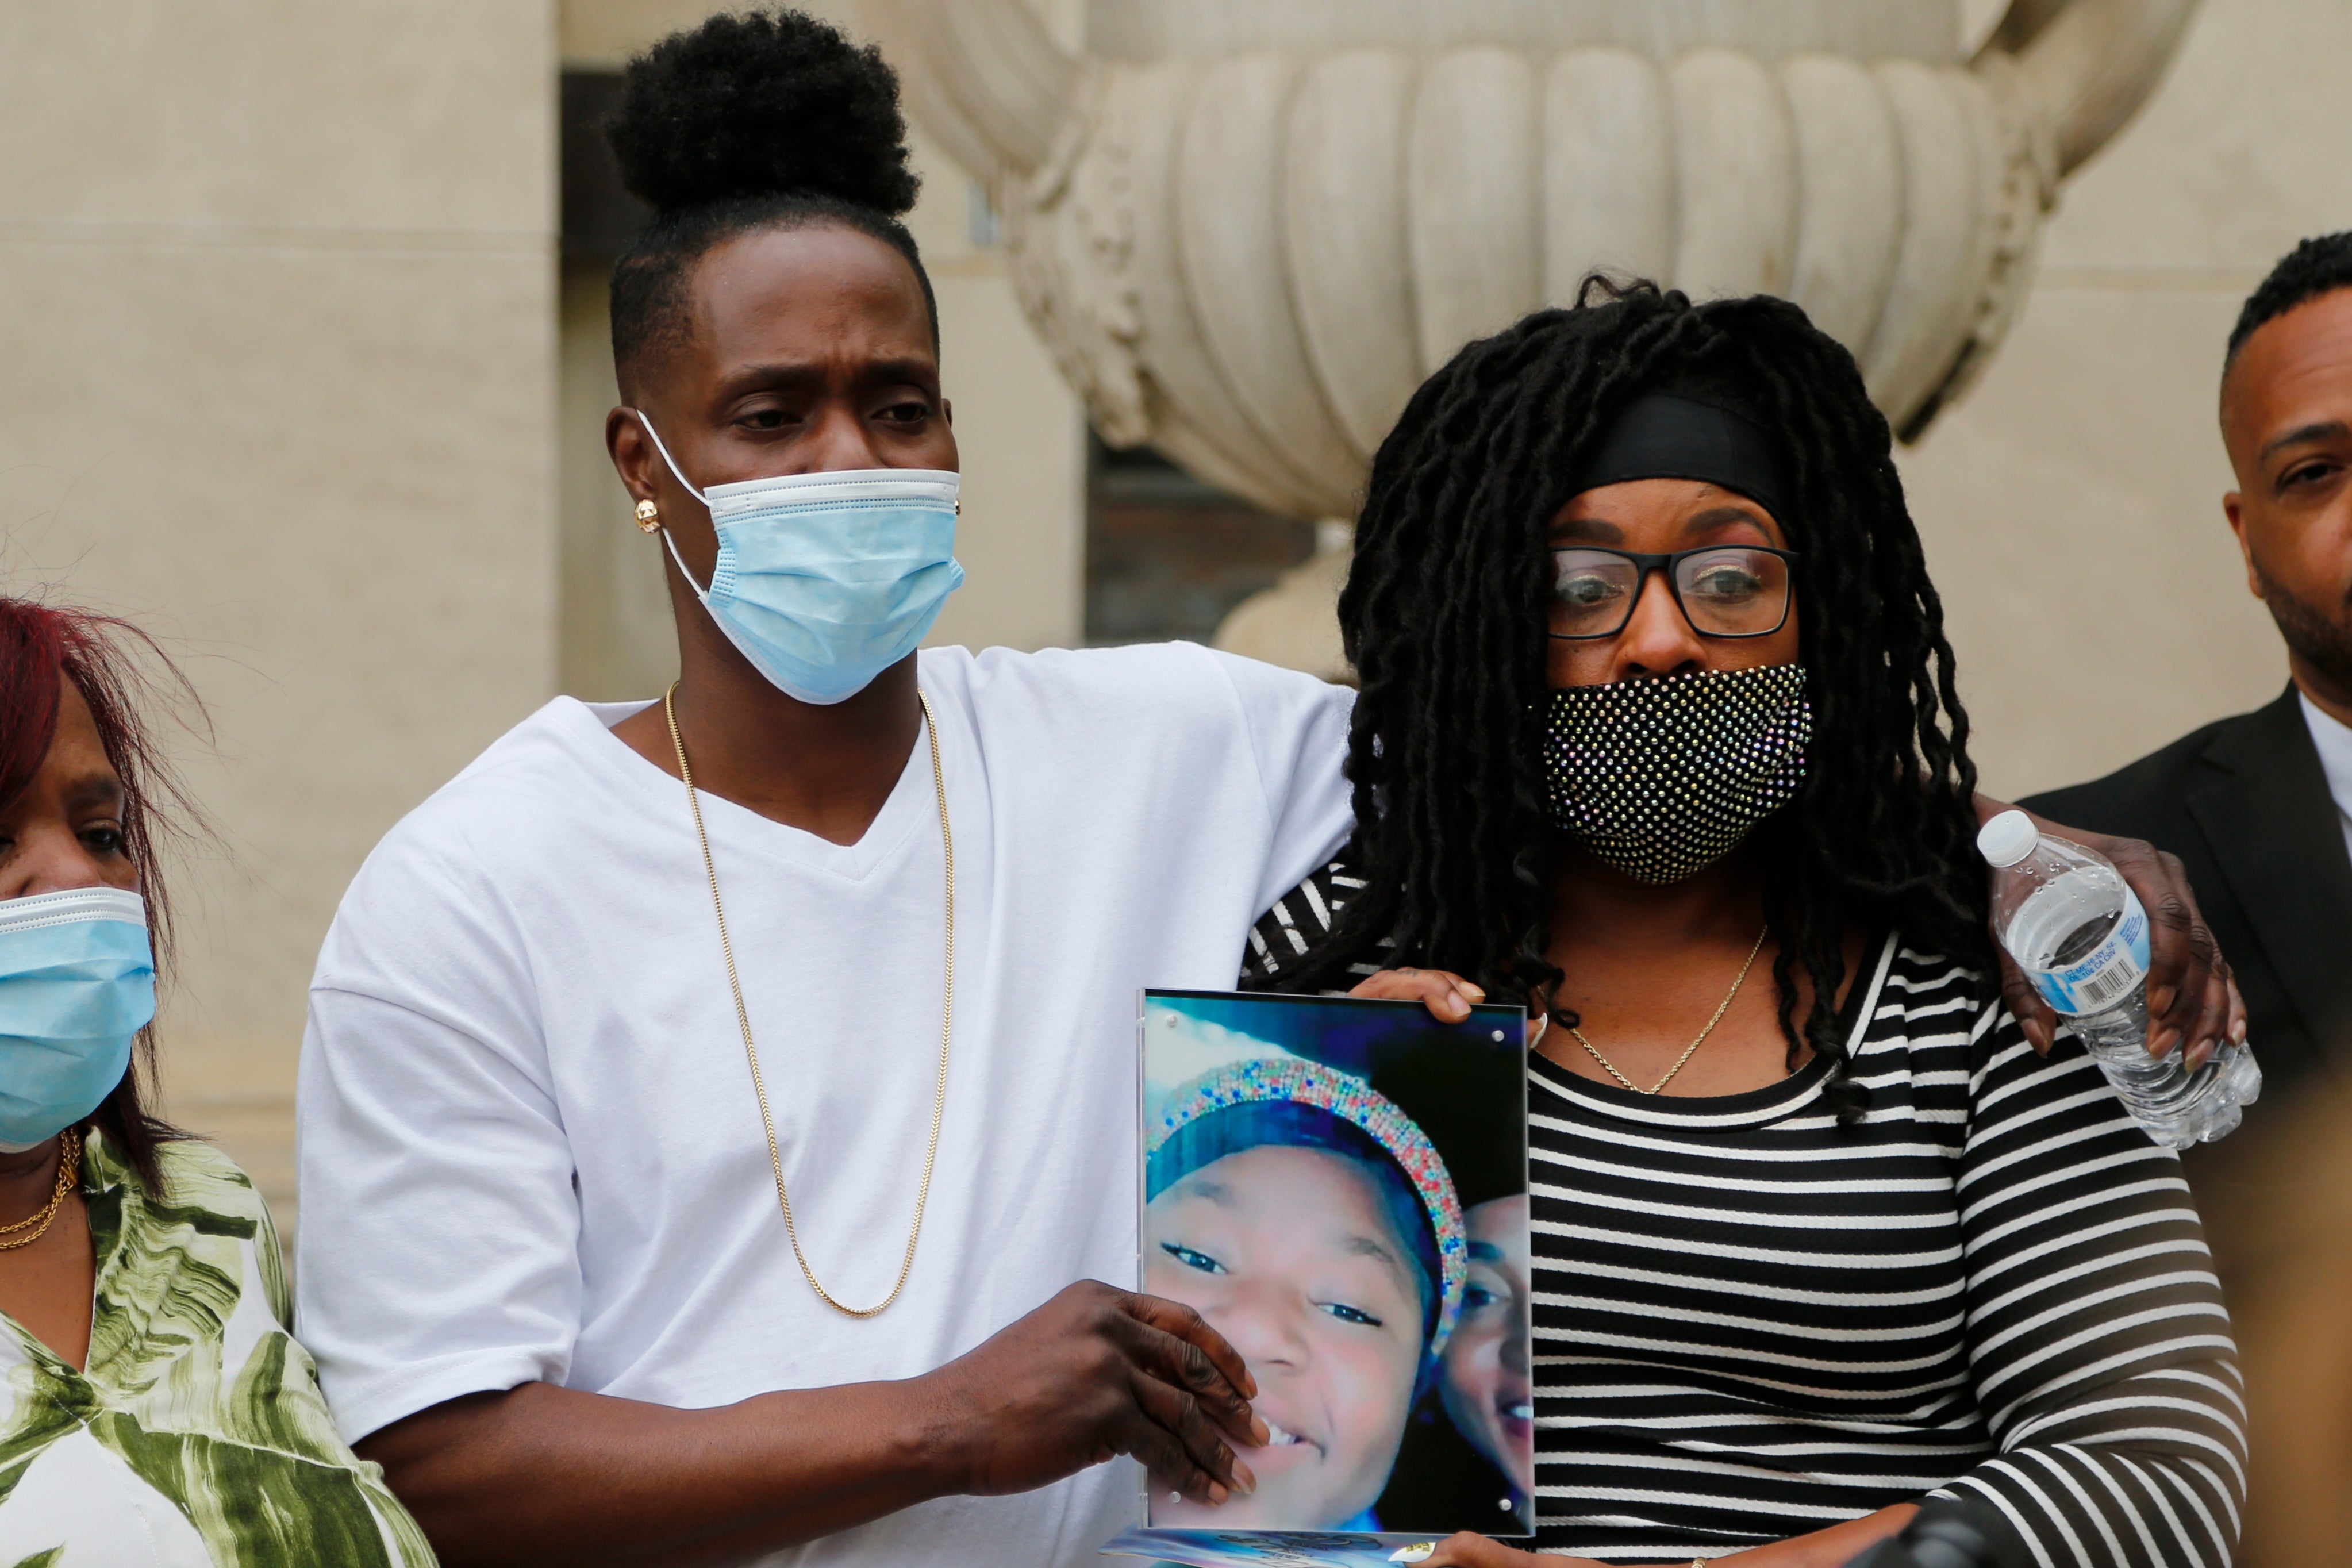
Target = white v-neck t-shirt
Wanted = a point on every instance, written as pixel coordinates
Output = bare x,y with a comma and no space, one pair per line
528,1144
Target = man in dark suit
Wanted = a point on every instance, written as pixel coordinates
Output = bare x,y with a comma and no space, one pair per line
2249,804
2259,807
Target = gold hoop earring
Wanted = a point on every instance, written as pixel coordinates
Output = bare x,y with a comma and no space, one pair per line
648,517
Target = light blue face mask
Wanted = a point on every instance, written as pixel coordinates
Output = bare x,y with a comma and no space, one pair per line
824,580
77,983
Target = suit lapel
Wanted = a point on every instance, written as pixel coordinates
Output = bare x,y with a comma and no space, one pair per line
2262,803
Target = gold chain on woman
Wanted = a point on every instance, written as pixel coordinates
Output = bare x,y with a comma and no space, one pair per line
743,1016
69,1175
1721,1007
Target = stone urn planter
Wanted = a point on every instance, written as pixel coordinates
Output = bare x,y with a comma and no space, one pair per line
1248,228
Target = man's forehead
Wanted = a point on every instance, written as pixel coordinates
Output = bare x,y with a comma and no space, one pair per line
2294,370
810,292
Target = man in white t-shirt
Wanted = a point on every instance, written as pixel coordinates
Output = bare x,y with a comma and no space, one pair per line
546,1264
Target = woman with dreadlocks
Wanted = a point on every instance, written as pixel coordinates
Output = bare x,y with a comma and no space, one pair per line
1658,734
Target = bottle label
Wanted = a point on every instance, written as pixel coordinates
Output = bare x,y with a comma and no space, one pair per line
2107,974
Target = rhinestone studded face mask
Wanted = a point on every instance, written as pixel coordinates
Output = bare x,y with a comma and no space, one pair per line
1662,778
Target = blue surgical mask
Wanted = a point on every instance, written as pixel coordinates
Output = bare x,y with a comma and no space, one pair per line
824,580
77,984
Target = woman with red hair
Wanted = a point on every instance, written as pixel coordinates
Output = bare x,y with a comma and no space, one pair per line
153,1408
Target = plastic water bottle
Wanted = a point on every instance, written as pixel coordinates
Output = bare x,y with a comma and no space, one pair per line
2074,926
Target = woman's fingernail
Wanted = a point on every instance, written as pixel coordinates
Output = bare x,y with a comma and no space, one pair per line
2198,1054
2037,1034
2238,1032
1244,1479
1476,992
1217,1494
2159,1001
1259,1435
2160,1043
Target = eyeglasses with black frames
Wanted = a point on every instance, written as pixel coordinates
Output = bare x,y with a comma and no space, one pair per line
1724,590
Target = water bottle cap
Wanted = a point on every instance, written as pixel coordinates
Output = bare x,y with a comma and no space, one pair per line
2008,839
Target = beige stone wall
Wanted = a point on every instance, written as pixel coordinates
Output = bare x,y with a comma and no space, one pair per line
2072,504
1022,537
279,344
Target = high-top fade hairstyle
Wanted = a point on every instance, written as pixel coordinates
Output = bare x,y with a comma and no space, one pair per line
114,664
1444,616
2320,264
764,120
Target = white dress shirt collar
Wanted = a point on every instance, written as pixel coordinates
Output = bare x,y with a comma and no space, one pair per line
2333,740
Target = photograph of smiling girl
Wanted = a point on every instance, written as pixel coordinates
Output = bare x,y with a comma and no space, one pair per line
1338,1186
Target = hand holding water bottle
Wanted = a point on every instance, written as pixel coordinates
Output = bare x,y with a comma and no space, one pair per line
2192,1001
2078,932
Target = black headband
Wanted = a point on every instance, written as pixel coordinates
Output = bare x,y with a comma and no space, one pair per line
1665,436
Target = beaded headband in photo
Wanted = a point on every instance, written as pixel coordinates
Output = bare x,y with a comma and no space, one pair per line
1289,1079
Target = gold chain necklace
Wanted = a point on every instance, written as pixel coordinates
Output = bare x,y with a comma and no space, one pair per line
743,1016
68,1175
1721,1007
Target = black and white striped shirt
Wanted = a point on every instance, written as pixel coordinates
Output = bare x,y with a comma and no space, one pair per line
1752,1322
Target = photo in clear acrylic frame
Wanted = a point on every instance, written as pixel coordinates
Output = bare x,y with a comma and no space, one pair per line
1339,1185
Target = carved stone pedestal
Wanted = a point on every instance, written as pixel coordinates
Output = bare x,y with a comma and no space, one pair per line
1248,228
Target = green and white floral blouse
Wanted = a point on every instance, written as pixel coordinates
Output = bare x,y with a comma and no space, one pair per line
197,1437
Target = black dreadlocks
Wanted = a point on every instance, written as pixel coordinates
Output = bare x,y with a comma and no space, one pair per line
1444,616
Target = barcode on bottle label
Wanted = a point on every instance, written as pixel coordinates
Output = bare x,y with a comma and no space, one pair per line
2106,974
2116,982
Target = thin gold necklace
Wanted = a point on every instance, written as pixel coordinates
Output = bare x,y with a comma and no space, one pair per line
1721,1007
68,1175
743,1016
